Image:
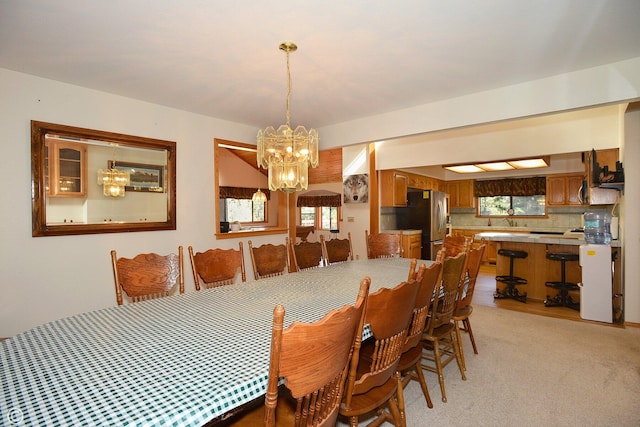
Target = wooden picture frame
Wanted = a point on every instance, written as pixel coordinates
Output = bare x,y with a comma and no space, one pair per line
146,178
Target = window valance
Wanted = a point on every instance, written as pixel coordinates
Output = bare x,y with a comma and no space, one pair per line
534,186
318,198
241,193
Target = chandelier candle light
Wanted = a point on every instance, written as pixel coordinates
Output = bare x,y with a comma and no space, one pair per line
286,153
113,181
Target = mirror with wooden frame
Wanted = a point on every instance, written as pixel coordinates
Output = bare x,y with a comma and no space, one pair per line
237,172
86,181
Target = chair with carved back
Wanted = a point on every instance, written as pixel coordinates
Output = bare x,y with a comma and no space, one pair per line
440,345
410,365
464,308
307,255
147,276
383,245
269,260
337,250
374,383
313,359
455,244
217,267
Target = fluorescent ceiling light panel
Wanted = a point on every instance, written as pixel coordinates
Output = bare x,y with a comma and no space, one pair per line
529,163
501,166
498,166
464,169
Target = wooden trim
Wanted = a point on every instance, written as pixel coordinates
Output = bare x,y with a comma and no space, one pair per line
374,191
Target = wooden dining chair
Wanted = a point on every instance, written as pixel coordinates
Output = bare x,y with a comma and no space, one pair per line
337,250
313,359
410,361
464,308
383,245
217,267
439,341
147,276
269,260
307,255
374,383
455,244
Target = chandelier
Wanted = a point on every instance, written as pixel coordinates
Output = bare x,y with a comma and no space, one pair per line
259,197
286,153
113,181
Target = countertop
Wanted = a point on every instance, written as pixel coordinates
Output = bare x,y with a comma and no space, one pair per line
554,239
403,231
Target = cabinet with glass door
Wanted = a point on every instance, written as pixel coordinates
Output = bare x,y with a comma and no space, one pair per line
65,168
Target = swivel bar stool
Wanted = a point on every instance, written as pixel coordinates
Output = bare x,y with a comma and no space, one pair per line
562,299
511,280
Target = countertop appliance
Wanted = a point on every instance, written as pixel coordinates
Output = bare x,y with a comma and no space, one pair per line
425,211
596,289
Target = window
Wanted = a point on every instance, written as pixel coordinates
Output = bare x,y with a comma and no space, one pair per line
521,205
322,217
511,196
244,210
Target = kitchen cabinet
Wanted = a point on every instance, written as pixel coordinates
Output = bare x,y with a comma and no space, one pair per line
461,193
412,245
597,195
564,190
65,169
393,188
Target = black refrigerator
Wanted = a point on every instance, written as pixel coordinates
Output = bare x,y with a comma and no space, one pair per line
425,211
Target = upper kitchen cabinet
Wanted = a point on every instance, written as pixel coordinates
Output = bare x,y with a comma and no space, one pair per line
563,190
393,188
461,193
66,168
598,195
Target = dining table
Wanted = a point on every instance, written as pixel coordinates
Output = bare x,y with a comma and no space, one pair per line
182,360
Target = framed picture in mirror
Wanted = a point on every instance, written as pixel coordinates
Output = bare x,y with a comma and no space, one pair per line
142,177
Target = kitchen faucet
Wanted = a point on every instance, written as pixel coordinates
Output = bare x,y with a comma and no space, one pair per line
511,222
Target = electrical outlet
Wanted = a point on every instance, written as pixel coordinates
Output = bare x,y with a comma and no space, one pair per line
350,219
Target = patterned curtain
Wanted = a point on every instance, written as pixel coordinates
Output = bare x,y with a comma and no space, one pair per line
240,193
535,186
319,198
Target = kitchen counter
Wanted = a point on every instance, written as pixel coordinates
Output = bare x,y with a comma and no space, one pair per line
552,239
538,270
407,232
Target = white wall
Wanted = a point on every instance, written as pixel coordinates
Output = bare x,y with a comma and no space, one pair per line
601,85
355,160
46,278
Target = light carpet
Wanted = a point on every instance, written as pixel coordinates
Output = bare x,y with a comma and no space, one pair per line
535,371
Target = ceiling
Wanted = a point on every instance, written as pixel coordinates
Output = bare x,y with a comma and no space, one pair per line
355,58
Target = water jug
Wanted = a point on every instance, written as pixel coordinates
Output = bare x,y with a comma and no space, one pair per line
597,228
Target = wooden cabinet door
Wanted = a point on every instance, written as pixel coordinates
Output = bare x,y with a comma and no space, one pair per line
412,246
393,188
66,169
453,190
466,198
556,190
400,186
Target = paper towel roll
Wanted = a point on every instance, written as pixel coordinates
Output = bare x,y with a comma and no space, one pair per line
614,227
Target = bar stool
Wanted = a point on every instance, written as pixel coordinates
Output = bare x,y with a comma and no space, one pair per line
562,299
511,280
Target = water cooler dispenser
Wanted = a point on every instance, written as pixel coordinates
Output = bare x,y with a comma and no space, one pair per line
596,289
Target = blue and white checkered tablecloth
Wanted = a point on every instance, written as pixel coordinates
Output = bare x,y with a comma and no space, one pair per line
176,361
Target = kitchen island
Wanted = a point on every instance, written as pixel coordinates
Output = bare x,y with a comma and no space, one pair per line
538,270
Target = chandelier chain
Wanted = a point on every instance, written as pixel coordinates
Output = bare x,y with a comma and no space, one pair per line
288,113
